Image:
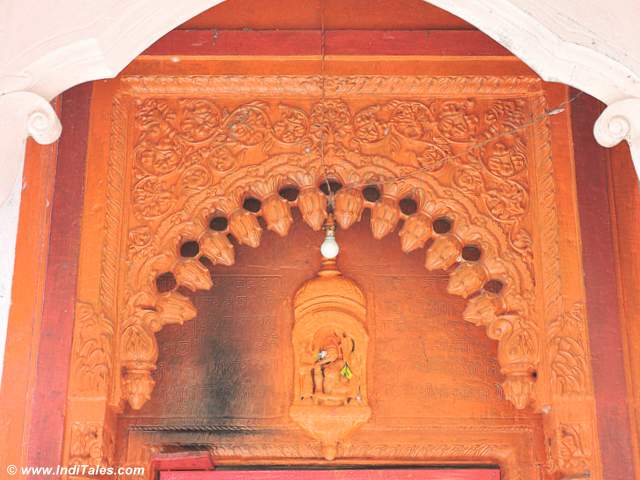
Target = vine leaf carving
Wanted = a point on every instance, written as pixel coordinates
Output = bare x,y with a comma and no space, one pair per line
93,356
568,351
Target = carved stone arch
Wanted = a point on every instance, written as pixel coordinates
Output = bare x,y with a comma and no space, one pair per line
505,314
170,179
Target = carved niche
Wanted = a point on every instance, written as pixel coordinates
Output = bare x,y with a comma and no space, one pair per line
196,159
330,358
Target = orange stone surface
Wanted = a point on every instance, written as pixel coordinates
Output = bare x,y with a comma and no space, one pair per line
184,336
473,343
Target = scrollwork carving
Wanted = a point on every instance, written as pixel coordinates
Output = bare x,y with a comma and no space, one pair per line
621,121
398,134
91,444
25,114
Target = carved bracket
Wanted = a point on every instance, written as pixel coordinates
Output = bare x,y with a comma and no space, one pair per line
621,121
22,115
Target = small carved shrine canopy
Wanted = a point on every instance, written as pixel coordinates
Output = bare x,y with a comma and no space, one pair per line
330,351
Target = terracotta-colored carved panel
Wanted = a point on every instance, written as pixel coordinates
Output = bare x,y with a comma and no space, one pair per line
191,148
232,364
456,170
226,376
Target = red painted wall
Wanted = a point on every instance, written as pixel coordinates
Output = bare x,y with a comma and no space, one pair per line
383,474
49,398
598,256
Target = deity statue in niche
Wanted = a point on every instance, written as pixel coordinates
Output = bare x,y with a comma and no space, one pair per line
329,375
330,350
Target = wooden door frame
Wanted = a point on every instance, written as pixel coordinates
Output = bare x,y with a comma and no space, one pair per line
46,396
345,474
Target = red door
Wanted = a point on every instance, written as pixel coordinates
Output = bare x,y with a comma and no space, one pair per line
381,474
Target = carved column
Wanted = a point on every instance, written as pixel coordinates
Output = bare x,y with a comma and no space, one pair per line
90,422
569,428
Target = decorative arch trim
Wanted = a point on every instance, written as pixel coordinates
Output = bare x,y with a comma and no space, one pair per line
499,283
359,151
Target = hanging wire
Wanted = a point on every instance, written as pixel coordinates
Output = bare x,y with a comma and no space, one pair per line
561,107
548,113
330,192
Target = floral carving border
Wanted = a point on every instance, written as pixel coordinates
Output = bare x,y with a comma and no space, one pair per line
430,123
